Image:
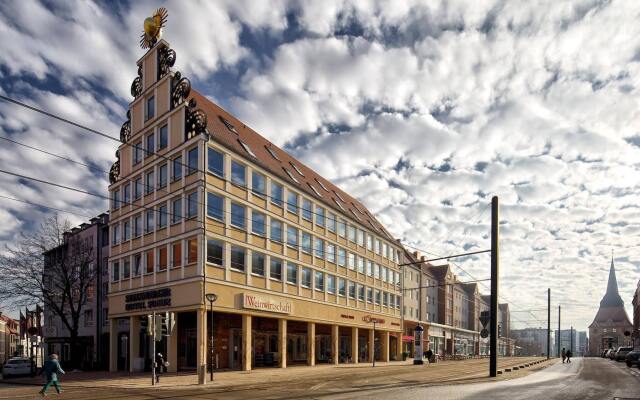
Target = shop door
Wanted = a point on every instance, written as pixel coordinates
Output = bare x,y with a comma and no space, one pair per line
188,350
296,348
235,350
123,351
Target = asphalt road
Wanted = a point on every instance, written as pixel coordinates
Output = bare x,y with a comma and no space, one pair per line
583,379
589,379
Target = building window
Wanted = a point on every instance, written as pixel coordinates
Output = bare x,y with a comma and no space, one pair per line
292,236
351,233
192,204
162,258
176,254
151,145
369,295
162,175
306,242
369,268
192,161
115,271
192,251
331,252
320,216
163,137
376,271
238,258
126,194
150,108
352,290
319,247
177,168
276,194
149,226
257,263
258,184
306,209
215,206
385,299
215,162
360,237
115,200
238,215
137,153
88,317
342,228
126,231
361,265
149,255
331,284
162,216
137,226
150,185
352,261
215,251
137,188
292,273
276,230
369,242
238,174
342,256
275,269
306,277
176,210
292,202
137,264
360,292
258,223
319,281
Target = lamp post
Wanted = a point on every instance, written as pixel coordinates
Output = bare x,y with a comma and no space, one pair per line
211,298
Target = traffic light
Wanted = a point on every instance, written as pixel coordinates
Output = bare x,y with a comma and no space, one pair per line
170,319
146,324
499,330
159,327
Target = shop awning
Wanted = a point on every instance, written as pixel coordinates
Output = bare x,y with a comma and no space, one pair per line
406,338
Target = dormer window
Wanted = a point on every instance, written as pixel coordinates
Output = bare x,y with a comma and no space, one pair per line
338,203
340,197
247,148
322,185
296,168
273,153
314,190
290,175
229,125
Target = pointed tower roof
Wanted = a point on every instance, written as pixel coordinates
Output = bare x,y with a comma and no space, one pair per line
612,297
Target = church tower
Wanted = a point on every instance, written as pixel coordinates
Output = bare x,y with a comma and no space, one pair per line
611,322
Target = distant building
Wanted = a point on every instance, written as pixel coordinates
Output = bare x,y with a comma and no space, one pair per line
582,344
9,337
567,340
611,322
531,341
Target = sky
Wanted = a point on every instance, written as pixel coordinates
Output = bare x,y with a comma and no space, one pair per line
422,110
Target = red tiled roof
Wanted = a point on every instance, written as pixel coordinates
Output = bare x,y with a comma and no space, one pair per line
230,132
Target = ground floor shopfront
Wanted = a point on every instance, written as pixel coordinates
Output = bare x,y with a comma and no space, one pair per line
250,329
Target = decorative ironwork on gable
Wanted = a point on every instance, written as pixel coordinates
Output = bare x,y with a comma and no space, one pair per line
195,122
180,89
125,130
136,85
166,59
114,172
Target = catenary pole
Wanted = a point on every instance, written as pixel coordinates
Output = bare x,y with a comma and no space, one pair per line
559,307
493,322
153,350
548,323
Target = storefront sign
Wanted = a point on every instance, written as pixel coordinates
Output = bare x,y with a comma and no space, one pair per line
346,316
266,304
149,299
370,319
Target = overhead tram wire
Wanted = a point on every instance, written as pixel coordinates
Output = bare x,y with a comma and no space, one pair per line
46,207
152,153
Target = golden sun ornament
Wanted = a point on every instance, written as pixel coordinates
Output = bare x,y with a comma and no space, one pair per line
153,28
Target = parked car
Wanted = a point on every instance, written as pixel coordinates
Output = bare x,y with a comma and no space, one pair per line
611,353
633,358
622,352
16,366
604,353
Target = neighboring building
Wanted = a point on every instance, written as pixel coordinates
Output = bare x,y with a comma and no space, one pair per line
9,336
3,341
412,287
531,341
611,322
635,336
203,204
30,341
581,347
92,332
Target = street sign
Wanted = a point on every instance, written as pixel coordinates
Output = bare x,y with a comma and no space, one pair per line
484,318
484,333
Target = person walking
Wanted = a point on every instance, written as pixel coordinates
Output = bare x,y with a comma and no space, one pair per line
569,354
51,368
564,355
159,365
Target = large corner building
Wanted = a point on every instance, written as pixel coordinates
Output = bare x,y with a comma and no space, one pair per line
203,204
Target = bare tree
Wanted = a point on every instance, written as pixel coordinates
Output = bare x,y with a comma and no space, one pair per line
49,267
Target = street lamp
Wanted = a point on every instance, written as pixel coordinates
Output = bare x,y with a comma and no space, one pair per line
211,298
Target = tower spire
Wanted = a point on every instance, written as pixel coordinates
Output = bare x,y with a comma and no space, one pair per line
612,297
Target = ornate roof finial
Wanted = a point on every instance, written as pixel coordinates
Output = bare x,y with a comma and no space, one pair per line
153,28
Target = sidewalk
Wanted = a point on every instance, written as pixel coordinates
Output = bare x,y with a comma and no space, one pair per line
391,371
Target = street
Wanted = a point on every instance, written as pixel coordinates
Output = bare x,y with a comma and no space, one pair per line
591,378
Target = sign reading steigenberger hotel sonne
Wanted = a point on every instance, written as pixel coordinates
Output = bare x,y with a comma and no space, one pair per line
149,299
266,304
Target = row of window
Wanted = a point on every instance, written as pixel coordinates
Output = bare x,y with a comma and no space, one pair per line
157,259
155,178
295,238
295,274
296,203
159,218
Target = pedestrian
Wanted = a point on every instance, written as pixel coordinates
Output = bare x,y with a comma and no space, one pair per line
159,364
569,354
564,355
429,355
51,368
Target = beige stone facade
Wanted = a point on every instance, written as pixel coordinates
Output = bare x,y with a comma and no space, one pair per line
300,269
